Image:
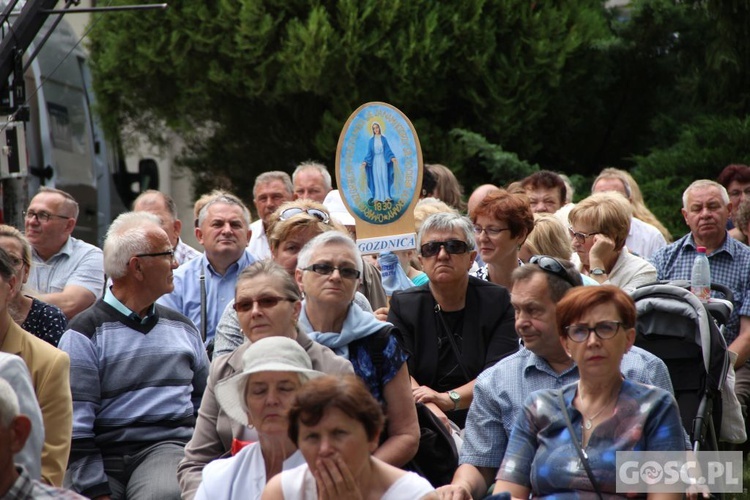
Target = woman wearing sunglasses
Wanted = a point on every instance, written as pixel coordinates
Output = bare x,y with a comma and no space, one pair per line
455,326
267,303
565,440
502,221
599,226
328,272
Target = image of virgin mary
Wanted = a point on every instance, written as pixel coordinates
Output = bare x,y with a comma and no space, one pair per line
379,165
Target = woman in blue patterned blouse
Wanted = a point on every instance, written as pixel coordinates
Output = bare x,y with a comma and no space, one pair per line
608,414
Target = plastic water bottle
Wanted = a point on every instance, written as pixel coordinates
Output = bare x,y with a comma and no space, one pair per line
700,280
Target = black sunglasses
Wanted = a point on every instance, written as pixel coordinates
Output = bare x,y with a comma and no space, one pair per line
453,247
552,266
349,273
291,212
169,253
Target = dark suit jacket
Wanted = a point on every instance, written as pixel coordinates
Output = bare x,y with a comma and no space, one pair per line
488,331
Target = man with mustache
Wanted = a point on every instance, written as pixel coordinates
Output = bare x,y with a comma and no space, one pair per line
706,207
204,286
138,372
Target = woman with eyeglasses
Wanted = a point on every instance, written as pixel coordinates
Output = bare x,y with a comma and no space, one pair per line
599,226
328,272
455,326
562,432
502,221
41,319
268,303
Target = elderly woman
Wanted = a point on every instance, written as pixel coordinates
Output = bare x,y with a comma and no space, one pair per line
36,317
267,301
502,221
606,413
273,369
455,326
599,226
328,271
336,423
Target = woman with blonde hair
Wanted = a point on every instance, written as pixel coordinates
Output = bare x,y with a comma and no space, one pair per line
36,317
548,237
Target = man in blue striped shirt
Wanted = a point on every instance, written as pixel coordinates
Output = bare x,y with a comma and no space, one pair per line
138,372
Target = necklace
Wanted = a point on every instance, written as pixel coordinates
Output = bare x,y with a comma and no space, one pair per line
588,422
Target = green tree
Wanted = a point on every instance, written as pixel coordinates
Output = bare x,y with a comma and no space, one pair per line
254,85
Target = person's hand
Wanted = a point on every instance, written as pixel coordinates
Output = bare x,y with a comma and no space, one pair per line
453,492
424,394
381,313
440,415
364,164
335,480
603,247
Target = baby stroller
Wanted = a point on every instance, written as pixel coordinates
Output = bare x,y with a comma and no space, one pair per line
688,336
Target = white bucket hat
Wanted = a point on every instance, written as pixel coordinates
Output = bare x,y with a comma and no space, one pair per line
337,209
271,354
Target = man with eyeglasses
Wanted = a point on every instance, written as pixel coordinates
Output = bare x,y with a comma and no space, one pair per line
270,191
138,372
540,363
456,325
66,271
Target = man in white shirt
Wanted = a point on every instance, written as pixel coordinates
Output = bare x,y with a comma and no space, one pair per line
271,189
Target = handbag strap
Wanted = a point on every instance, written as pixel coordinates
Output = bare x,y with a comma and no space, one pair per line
452,342
581,453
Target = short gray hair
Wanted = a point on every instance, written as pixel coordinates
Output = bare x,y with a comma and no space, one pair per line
274,175
447,221
169,202
329,238
9,407
69,203
702,184
228,199
312,165
127,236
273,270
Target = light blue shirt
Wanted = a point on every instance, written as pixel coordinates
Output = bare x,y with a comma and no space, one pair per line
110,299
77,263
186,297
500,393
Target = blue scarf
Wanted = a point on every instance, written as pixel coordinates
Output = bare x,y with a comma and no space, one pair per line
357,325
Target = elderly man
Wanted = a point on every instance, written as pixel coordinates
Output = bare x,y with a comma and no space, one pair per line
67,272
138,372
546,191
706,208
50,375
312,181
164,207
456,325
270,191
203,287
541,363
15,428
643,238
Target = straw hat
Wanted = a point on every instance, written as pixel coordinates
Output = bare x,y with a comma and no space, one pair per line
271,354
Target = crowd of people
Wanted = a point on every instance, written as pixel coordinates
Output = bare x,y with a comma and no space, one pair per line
274,362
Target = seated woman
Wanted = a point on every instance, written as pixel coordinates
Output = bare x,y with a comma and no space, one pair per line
336,423
273,369
599,226
267,301
328,271
502,220
43,320
607,413
455,326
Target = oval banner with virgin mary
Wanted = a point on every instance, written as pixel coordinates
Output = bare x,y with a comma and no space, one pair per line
379,174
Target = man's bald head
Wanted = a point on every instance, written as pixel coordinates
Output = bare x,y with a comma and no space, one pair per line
479,193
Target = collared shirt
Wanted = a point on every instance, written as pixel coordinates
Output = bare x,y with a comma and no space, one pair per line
110,299
644,239
500,393
77,263
729,267
186,297
258,245
184,252
26,488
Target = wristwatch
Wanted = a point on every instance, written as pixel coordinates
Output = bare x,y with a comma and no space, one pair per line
597,271
456,398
